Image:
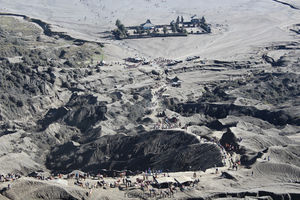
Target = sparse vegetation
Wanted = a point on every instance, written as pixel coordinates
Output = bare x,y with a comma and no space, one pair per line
121,31
176,28
204,25
165,30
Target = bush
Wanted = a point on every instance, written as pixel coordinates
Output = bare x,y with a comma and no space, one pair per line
26,59
66,85
12,99
121,31
20,103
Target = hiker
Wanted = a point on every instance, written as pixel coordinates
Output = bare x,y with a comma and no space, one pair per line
152,191
161,194
224,161
235,166
128,182
181,187
167,193
98,184
171,192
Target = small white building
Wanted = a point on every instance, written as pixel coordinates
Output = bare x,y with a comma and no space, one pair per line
148,25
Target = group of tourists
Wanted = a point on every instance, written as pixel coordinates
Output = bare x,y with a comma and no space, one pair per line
146,183
152,188
9,177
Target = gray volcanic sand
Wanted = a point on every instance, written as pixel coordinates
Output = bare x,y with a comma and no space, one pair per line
60,111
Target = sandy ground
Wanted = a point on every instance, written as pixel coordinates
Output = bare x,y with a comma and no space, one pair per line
211,184
241,31
235,22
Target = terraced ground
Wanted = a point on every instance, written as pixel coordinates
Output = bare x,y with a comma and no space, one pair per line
60,110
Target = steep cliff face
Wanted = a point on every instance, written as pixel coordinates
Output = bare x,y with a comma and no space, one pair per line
167,150
38,106
82,111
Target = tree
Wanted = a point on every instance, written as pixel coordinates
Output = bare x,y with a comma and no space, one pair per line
177,27
182,20
118,34
207,28
173,27
122,28
165,30
121,31
118,23
203,20
182,29
178,20
138,30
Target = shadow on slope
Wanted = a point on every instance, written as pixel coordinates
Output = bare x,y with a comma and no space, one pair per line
81,112
167,150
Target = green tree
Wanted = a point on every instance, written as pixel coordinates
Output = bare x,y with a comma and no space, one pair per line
122,28
178,20
182,20
165,30
121,31
207,28
118,23
138,30
118,34
182,29
173,27
177,27
203,20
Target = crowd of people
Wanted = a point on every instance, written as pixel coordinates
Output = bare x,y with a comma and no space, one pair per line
9,177
146,182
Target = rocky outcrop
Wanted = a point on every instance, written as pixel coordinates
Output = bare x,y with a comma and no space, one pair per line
219,110
82,111
167,150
